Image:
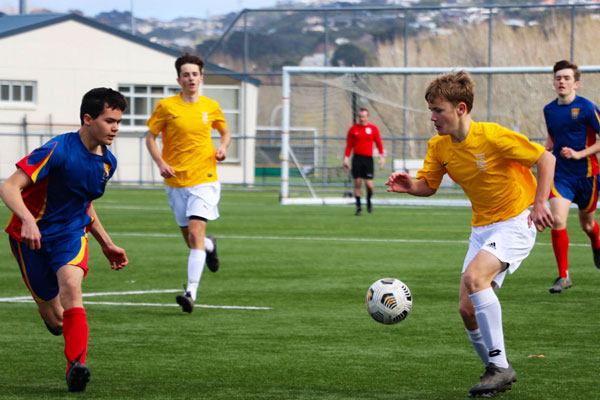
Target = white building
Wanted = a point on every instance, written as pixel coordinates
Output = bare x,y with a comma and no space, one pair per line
47,63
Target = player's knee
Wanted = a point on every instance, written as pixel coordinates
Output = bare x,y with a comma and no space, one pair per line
467,312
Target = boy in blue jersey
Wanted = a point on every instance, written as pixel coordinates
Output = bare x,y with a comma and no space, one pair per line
573,123
51,196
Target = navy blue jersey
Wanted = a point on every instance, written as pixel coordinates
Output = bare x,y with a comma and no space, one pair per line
66,178
573,125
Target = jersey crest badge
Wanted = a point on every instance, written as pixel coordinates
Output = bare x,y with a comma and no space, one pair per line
574,113
106,174
481,163
368,130
205,117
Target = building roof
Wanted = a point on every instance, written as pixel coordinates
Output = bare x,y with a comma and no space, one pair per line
15,24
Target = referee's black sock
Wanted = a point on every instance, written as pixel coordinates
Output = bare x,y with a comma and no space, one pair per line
357,202
369,194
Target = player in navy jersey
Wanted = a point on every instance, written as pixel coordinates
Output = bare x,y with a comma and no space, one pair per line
360,142
51,195
573,123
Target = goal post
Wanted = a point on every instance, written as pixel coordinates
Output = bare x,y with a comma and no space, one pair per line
397,96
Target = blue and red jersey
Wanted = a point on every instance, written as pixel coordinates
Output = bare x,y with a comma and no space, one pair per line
573,125
66,178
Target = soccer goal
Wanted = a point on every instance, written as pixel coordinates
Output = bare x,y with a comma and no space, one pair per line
325,100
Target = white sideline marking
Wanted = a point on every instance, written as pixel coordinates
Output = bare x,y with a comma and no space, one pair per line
28,299
321,239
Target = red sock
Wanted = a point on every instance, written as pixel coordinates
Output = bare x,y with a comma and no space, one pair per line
75,332
593,235
560,244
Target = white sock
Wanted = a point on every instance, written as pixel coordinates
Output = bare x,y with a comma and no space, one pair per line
478,344
195,267
489,318
208,245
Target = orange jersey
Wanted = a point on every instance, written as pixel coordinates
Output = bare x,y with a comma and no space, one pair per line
492,165
187,146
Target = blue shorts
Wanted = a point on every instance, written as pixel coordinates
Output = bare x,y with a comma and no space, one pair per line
583,191
39,267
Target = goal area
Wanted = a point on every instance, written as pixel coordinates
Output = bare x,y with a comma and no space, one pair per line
319,104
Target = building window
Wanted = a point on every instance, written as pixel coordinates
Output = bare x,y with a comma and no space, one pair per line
17,92
142,100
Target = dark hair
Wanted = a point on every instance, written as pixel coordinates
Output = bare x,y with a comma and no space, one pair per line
188,58
455,87
363,109
96,100
565,64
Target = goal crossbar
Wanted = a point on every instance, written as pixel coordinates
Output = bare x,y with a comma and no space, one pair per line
288,71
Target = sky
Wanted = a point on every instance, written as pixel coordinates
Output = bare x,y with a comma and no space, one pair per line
161,9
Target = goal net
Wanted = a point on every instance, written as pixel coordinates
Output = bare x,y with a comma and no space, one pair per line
321,103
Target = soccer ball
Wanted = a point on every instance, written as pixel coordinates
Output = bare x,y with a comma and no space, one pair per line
389,301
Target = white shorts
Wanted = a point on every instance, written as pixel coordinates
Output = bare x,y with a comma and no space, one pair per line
510,241
200,201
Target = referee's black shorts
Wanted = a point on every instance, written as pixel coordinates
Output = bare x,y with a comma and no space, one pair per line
362,167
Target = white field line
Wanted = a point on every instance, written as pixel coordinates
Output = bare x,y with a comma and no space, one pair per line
28,299
320,239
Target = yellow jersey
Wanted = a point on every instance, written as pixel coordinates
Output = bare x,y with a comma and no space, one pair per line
187,146
492,165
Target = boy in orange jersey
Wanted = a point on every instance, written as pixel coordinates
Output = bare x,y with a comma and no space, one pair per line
188,163
492,165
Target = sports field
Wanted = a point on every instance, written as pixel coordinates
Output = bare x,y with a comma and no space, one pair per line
284,317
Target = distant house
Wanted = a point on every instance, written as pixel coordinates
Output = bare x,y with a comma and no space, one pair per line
50,60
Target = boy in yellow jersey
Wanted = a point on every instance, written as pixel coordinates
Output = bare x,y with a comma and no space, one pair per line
492,165
188,163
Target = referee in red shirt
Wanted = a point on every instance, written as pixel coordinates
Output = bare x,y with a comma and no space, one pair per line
360,142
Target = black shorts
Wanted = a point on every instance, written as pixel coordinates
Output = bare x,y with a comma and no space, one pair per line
362,167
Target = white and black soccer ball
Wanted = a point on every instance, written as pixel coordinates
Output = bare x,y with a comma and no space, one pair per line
389,301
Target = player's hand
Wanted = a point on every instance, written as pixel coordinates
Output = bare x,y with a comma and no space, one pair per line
116,256
346,163
221,153
400,182
30,234
381,161
166,171
567,152
541,216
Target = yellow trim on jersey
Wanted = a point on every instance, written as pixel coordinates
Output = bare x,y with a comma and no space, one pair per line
492,165
187,146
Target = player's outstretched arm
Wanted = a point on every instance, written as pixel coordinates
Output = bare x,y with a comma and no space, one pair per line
540,214
402,182
10,192
115,255
166,171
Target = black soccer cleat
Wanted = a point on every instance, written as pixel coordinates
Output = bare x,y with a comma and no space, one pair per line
596,257
78,377
493,381
212,259
358,212
369,208
186,302
55,331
